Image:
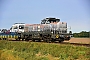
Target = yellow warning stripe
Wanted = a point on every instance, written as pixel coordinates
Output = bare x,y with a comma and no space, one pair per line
1,36
5,36
8,36
13,36
16,36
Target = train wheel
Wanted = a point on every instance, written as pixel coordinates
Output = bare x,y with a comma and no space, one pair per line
47,38
48,41
52,40
26,39
68,38
19,39
30,38
5,38
44,39
16,39
61,40
33,40
22,39
39,40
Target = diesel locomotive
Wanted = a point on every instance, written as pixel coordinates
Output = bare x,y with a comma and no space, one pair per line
49,30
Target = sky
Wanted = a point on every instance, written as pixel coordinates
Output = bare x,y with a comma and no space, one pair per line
75,12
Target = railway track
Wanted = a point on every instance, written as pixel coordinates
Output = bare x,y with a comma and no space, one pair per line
75,44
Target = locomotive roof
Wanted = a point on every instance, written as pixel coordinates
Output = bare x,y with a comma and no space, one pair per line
51,19
19,23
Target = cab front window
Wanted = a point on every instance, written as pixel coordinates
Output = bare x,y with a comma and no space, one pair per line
15,27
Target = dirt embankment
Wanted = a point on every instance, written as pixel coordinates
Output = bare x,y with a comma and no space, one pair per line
79,40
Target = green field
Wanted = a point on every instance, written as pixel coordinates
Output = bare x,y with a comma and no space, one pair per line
12,50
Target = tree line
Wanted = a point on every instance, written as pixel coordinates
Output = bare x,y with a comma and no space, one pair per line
82,34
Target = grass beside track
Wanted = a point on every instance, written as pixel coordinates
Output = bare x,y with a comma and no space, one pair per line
21,50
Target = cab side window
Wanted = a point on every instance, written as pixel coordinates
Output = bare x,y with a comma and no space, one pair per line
21,26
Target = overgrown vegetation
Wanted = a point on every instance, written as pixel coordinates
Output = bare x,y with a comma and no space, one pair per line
12,50
82,34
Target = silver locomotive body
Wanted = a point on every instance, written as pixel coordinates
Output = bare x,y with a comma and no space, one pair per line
48,30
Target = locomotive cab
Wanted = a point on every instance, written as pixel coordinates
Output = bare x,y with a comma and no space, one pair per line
17,27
